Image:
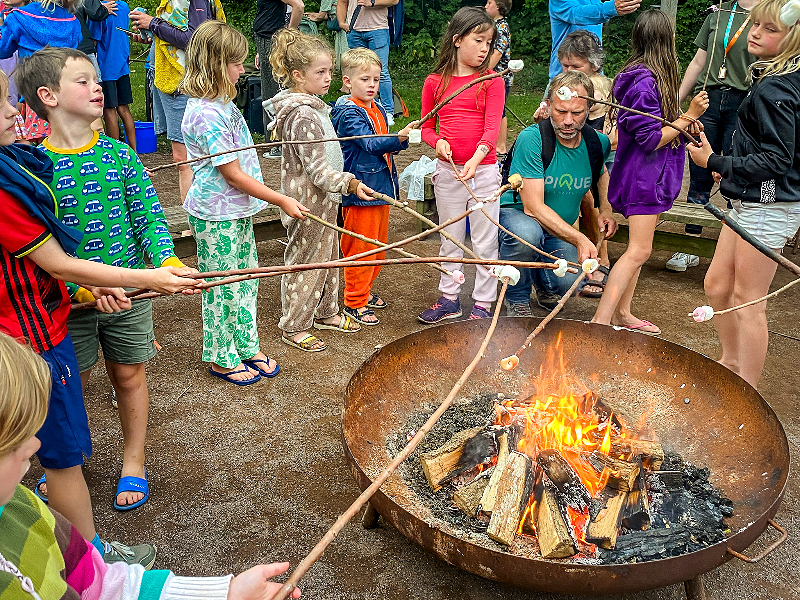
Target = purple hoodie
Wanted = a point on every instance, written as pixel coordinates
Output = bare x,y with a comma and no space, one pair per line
644,181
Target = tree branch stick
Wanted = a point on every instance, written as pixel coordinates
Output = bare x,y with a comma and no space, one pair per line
463,88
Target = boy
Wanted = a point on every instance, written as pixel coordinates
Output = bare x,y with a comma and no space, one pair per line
113,52
370,160
34,306
103,191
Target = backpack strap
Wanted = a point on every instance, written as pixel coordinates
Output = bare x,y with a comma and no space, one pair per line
595,150
548,135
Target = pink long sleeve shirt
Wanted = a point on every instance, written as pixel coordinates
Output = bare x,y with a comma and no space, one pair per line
472,118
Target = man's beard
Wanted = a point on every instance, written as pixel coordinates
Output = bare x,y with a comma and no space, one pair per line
569,136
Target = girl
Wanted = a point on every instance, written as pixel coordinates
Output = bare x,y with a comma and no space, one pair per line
313,173
34,540
648,169
226,192
468,130
761,179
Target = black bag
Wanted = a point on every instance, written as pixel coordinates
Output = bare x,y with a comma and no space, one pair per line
333,22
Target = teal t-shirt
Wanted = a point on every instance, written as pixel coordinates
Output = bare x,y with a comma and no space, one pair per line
566,180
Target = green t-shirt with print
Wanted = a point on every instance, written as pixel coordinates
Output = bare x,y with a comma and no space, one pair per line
738,60
567,179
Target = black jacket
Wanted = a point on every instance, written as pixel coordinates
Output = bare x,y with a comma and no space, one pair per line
96,11
765,164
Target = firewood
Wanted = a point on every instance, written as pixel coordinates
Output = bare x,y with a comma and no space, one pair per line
648,545
555,540
623,473
468,497
590,402
571,490
604,528
490,493
637,508
477,450
513,492
651,452
438,463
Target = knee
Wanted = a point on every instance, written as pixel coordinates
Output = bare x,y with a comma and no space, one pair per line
716,286
129,378
179,153
639,254
184,170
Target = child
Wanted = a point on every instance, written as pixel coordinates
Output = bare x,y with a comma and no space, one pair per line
44,555
371,161
34,306
7,65
648,170
468,128
760,179
497,10
103,191
226,192
313,173
113,54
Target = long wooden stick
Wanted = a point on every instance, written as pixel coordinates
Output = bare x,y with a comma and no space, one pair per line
356,506
757,301
460,90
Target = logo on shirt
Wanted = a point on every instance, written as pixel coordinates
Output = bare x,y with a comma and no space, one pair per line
567,182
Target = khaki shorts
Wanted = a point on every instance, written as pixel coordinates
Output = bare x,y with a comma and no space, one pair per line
126,338
772,223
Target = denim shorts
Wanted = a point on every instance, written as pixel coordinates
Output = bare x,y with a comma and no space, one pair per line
168,114
771,224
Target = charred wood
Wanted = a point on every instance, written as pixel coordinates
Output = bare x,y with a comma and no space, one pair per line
622,473
439,463
513,492
555,536
490,493
604,528
651,452
571,491
649,545
468,497
637,508
477,450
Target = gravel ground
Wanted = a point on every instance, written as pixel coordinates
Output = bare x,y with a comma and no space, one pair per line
241,475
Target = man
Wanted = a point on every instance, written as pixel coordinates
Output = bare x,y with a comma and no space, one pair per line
367,25
560,159
568,15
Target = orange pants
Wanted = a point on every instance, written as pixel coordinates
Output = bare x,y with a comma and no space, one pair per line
372,222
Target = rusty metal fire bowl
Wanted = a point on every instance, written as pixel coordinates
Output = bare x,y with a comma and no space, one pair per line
726,425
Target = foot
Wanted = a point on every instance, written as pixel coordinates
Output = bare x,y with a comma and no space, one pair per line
680,261
376,301
635,324
519,310
142,554
547,300
442,309
246,372
480,312
267,364
363,315
316,346
126,498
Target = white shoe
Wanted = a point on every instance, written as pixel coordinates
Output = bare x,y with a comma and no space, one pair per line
680,261
389,120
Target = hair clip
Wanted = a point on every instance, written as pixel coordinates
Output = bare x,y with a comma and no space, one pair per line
790,13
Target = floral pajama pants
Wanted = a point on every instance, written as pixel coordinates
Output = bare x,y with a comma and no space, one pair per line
230,329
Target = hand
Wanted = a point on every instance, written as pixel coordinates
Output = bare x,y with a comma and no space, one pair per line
402,135
717,177
140,20
255,584
443,149
698,105
110,300
364,192
586,249
111,6
169,280
542,113
138,37
608,225
258,62
364,2
293,208
626,7
344,27
468,172
700,154
695,127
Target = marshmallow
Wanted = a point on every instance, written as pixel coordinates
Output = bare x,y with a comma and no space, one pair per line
790,12
702,313
516,65
415,136
590,265
564,93
509,363
562,268
458,277
504,271
477,206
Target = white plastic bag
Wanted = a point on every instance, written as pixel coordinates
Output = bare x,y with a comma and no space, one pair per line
412,179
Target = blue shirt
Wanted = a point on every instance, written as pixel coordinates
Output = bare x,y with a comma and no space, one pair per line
567,16
113,48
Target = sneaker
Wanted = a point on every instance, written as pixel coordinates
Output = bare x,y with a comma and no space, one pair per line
479,312
274,152
442,309
680,261
547,300
141,554
519,310
389,120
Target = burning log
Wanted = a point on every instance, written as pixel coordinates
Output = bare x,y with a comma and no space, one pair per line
468,497
513,492
650,544
439,463
490,493
590,402
604,528
651,452
622,473
555,538
570,490
477,450
637,509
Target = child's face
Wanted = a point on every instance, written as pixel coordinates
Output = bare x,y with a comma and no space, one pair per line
492,10
13,467
364,83
317,78
234,71
8,120
577,63
765,38
80,95
13,3
473,48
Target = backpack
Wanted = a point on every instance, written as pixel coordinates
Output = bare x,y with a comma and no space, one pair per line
396,19
548,134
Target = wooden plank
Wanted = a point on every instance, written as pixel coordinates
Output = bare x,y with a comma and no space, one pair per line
513,495
468,497
673,242
693,214
604,528
490,493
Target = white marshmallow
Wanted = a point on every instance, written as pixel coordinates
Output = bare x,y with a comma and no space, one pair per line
478,206
702,313
564,93
458,277
562,268
590,265
415,136
504,271
790,12
516,65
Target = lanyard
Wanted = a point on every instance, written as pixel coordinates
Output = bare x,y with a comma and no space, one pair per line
728,45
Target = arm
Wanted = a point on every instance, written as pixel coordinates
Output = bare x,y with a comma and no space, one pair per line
429,135
493,114
692,73
574,13
199,12
355,122
235,177
341,14
607,222
297,12
95,10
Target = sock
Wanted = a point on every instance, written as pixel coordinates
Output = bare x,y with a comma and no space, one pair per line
482,306
451,297
98,543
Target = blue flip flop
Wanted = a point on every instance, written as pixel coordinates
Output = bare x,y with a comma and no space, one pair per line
226,376
132,484
36,491
252,364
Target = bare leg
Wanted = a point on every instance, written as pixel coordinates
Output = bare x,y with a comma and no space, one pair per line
502,135
112,123
589,217
184,171
719,284
127,120
68,494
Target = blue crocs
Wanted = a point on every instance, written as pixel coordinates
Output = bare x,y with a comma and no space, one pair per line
132,484
442,309
38,491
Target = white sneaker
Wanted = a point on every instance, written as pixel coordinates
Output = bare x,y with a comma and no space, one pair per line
680,261
389,120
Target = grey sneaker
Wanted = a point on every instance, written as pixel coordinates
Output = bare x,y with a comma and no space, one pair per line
519,310
274,152
681,261
141,554
389,120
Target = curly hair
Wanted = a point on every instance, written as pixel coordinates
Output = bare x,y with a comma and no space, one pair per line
293,50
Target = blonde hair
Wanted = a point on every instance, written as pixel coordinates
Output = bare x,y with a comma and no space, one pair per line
24,391
602,85
211,48
293,50
788,61
3,87
359,58
51,4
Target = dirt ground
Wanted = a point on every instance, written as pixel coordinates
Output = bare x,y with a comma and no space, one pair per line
241,475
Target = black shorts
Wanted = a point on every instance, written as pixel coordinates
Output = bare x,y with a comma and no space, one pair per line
505,101
117,92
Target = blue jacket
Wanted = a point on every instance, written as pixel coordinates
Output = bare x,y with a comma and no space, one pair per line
30,28
567,16
365,158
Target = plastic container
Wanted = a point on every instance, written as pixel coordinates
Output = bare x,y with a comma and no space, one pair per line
145,137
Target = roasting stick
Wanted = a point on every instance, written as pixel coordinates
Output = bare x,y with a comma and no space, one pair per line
322,545
703,313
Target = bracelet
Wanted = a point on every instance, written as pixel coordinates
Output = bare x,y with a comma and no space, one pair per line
688,118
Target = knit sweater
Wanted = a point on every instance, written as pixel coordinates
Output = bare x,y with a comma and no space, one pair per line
31,28
43,556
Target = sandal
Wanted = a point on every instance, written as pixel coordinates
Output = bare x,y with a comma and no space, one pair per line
346,324
376,301
226,376
643,326
307,343
358,314
38,489
252,363
597,284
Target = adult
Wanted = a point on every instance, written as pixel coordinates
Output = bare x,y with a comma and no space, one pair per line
96,11
172,28
560,159
270,17
721,65
568,15
367,25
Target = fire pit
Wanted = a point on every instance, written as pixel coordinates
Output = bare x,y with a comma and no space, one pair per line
725,425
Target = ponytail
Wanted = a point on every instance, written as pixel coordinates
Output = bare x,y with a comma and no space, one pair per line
293,50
